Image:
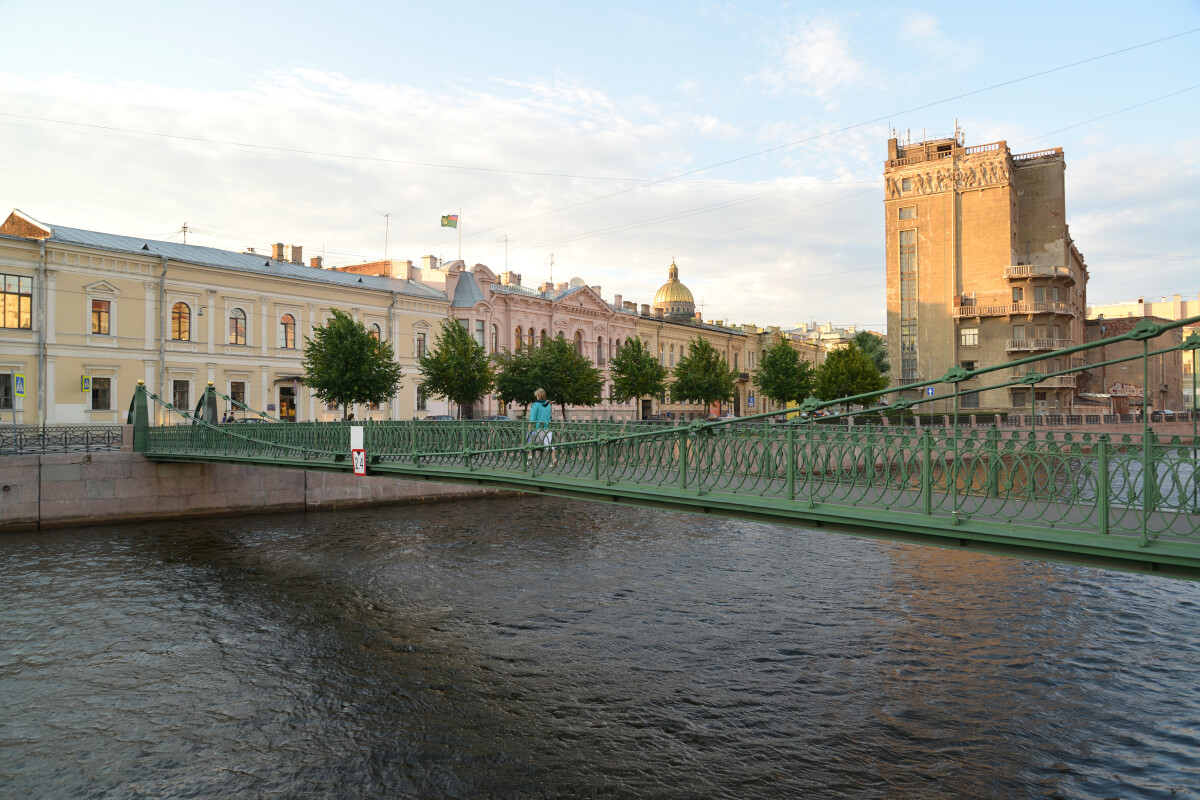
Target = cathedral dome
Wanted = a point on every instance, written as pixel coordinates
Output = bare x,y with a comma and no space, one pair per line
674,298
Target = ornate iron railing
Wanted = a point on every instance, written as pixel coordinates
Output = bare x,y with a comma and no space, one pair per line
33,439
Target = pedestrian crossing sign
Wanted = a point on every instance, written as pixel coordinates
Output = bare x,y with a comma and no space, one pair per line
18,385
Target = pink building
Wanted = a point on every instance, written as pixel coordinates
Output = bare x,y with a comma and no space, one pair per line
498,311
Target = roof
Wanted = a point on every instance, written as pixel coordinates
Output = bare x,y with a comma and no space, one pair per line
259,264
466,292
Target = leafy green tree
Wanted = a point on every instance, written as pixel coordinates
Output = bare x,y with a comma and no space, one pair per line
345,364
568,376
516,376
845,372
457,367
783,375
636,373
703,375
876,349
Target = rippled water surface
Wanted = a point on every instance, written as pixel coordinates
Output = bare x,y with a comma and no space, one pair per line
543,648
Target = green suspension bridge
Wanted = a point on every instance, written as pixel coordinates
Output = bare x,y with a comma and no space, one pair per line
1129,502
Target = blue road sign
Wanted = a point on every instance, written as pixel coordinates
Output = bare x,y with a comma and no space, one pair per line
929,391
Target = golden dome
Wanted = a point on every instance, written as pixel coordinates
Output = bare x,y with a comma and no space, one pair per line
673,293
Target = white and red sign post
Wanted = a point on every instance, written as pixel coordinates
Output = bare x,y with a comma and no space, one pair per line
358,454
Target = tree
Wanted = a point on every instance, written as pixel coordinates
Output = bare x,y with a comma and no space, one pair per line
845,372
516,376
783,375
636,373
875,347
568,376
345,364
457,367
703,375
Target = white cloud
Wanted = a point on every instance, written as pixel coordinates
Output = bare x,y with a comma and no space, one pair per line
813,58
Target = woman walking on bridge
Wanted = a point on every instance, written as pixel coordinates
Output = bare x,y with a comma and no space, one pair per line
539,415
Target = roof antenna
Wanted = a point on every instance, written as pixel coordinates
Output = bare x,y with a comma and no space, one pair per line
185,230
552,269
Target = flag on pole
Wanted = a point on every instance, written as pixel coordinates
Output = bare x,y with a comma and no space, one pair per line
450,221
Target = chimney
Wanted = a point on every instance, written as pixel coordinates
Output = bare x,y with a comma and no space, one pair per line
250,250
429,262
316,262
658,312
617,300
295,254
510,278
629,305
546,287
596,289
277,251
699,317
645,309
562,287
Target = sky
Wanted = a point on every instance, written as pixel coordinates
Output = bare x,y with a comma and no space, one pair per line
745,141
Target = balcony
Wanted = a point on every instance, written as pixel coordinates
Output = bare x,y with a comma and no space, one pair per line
1022,271
1022,345
743,376
1008,309
1058,381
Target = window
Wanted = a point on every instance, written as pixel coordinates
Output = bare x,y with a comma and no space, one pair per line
101,394
906,184
1020,398
908,212
600,351
479,333
237,391
529,337
287,331
578,343
17,302
970,400
1039,331
662,355
6,392
1039,294
420,345
518,340
181,322
100,310
968,337
179,395
374,331
495,338
908,305
969,366
1018,294
422,398
237,326
672,355
1018,333
544,337
735,362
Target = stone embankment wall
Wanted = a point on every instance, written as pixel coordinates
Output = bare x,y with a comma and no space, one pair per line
47,491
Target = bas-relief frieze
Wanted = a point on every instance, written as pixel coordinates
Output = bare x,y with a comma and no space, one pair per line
958,176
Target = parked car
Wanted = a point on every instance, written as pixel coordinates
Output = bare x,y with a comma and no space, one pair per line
719,417
439,418
498,418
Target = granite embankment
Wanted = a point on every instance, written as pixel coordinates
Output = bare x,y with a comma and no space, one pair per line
48,491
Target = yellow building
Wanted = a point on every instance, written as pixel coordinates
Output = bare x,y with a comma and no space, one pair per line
96,312
667,329
981,267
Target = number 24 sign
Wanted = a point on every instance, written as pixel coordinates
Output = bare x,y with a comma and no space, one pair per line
359,457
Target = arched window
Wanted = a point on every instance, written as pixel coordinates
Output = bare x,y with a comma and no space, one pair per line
662,354
600,351
672,355
375,332
530,337
287,331
237,326
518,340
495,338
181,322
579,342
544,337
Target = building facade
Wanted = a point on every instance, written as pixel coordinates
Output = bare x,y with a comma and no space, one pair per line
97,312
981,268
1156,386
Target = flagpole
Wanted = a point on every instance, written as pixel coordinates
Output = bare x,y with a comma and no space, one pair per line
459,226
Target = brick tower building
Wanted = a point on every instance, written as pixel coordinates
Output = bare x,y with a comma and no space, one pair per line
981,268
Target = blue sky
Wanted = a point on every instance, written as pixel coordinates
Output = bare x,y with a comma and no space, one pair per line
562,126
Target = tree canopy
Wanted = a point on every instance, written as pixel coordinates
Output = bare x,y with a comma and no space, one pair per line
345,364
457,367
569,377
703,375
636,373
516,376
783,375
876,349
847,371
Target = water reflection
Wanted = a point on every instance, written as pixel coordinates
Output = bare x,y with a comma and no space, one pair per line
526,647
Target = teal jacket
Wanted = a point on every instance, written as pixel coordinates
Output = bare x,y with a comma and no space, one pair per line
539,413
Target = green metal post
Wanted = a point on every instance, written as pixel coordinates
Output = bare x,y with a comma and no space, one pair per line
926,472
791,462
683,459
608,458
811,461
1195,444
1103,484
1147,501
993,451
954,458
141,419
595,456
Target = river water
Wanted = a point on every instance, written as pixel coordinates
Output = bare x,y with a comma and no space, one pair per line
527,647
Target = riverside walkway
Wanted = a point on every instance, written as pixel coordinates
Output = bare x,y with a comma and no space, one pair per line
1130,502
